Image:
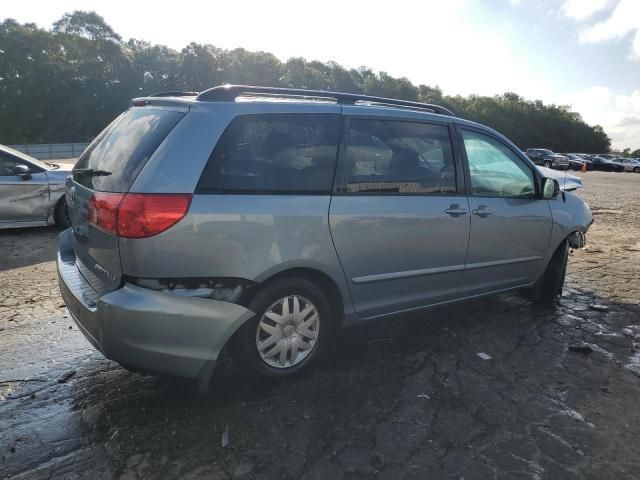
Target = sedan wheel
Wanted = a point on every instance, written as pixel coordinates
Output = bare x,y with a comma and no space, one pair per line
62,213
636,170
288,331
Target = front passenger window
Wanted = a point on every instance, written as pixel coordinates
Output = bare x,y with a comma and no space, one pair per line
494,169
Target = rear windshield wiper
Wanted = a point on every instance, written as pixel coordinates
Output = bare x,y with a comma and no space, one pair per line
91,172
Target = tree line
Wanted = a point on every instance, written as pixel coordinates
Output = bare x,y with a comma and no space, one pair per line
66,83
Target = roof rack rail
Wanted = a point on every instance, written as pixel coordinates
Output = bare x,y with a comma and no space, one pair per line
174,93
228,93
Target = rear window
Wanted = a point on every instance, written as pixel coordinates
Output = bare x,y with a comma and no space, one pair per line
274,153
114,159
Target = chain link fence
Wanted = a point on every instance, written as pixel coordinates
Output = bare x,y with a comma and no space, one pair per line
52,151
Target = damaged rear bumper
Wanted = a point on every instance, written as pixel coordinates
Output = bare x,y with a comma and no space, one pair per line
146,330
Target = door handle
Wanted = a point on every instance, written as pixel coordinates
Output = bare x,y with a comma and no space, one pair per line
455,210
481,211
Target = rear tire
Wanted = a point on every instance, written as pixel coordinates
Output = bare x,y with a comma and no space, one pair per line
636,170
548,288
292,314
61,214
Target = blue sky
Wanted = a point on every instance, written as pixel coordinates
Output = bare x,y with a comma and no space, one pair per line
583,53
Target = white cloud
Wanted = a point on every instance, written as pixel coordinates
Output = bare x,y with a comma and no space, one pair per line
618,114
582,9
623,20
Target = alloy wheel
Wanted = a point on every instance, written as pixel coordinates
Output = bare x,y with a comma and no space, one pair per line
288,331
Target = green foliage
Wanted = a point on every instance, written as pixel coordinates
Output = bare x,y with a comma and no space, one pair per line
66,84
86,24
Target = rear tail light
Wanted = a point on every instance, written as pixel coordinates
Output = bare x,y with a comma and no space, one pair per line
103,210
137,215
142,215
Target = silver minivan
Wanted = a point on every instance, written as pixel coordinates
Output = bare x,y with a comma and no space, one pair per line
265,219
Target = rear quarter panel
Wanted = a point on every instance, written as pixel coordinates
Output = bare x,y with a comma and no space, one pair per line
245,236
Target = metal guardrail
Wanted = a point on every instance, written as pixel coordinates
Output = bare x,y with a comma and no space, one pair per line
52,151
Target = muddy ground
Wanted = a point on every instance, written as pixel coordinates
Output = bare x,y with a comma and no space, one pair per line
404,399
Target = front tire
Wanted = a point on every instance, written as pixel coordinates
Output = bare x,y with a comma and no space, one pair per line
636,170
289,331
548,289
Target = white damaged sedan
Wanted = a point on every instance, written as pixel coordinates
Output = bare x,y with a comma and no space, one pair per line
32,193
567,181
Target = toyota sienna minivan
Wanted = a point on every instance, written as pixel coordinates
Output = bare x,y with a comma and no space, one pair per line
265,219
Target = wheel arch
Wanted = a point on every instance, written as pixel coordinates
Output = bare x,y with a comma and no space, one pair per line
322,279
554,247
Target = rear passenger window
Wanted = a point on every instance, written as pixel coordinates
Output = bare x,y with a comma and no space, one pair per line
274,153
399,157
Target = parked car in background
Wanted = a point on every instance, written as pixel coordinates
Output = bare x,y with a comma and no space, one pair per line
546,158
263,240
32,193
604,164
631,164
576,162
567,182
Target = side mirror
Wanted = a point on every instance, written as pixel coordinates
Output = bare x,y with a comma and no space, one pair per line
22,171
550,188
